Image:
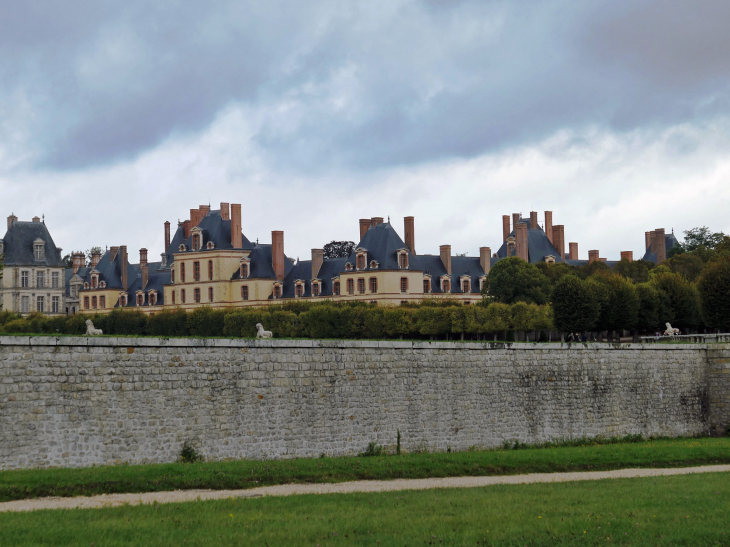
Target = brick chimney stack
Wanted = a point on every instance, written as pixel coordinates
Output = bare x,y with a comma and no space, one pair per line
559,239
113,252
409,230
485,255
78,261
144,267
186,227
505,227
142,257
317,259
236,235
36,219
167,234
445,251
277,254
95,258
549,225
195,217
647,239
593,256
123,262
521,249
627,255
364,226
533,220
11,219
573,253
661,246
376,220
204,210
515,219
225,211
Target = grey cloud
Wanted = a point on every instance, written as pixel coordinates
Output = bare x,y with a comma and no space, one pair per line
356,85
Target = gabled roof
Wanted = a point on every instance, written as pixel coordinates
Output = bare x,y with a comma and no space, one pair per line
383,243
538,245
214,229
18,245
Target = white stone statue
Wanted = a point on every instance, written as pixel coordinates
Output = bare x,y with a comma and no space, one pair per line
261,333
90,330
671,331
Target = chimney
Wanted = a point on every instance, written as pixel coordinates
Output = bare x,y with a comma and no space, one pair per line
521,241
123,261
409,228
559,239
376,220
573,255
627,255
194,217
167,234
204,210
277,254
142,257
78,261
36,219
515,219
603,259
364,226
186,226
549,225
533,220
317,259
236,235
505,227
95,258
11,219
113,251
144,267
225,211
647,239
445,251
661,246
593,256
485,255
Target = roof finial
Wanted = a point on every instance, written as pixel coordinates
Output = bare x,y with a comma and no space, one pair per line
388,219
44,220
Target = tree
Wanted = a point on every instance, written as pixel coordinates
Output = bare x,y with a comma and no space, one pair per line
689,265
636,270
652,308
682,299
619,301
2,265
556,271
714,290
338,249
701,237
573,305
497,318
514,280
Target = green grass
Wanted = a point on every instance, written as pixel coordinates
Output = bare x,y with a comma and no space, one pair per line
20,484
681,510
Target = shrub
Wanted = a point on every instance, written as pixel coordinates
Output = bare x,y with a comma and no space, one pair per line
206,322
373,449
188,454
123,322
168,323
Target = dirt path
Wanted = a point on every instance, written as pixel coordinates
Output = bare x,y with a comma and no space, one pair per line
177,496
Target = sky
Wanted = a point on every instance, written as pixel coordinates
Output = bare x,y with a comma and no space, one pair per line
118,116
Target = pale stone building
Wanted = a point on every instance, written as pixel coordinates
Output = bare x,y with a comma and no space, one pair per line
33,275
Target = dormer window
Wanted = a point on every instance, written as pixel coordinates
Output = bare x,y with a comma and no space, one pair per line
182,247
482,281
94,280
299,289
210,245
245,268
153,298
426,284
374,264
123,299
102,284
277,290
465,284
39,249
196,242
403,259
445,284
550,259
336,286
511,246
348,267
140,298
361,259
86,285
316,287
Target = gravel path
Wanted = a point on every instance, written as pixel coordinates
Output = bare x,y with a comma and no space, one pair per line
176,496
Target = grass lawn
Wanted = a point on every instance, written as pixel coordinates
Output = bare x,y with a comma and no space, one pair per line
681,510
248,474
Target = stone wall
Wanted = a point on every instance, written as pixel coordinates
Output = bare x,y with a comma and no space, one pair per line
81,401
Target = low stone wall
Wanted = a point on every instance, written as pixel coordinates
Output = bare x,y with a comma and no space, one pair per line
81,401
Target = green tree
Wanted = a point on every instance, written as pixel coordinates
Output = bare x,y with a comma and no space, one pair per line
714,290
554,272
636,270
338,249
514,280
651,308
689,265
701,237
573,305
588,270
497,318
682,309
619,302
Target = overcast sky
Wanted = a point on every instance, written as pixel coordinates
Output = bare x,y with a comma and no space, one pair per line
615,115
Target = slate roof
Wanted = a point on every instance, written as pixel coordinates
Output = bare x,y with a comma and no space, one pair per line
214,229
538,245
669,242
460,266
331,267
157,277
18,245
261,266
382,243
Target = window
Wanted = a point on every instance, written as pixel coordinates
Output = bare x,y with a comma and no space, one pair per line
210,294
196,295
403,284
350,286
465,285
24,278
348,267
244,270
173,296
86,302
94,280
446,285
299,289
360,262
196,242
172,276
182,296
140,299
244,292
39,251
210,270
196,271
426,285
315,289
54,281
277,291
361,285
182,272
373,284
153,298
24,304
336,288
40,304
93,302
102,302
40,279
374,264
55,304
403,260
